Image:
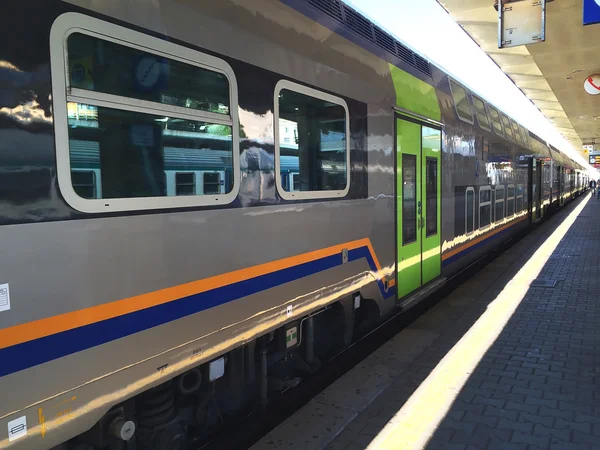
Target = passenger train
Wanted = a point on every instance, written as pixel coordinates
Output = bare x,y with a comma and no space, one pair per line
202,200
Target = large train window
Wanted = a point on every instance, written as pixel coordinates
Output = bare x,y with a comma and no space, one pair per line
499,203
461,102
470,210
155,114
510,200
516,132
525,135
507,127
481,113
485,206
520,198
496,121
320,148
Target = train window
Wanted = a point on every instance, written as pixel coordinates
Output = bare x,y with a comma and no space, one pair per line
499,203
510,200
485,206
431,191
84,183
507,127
516,132
157,113
409,199
496,121
461,102
185,183
525,135
470,210
211,183
520,198
481,113
320,148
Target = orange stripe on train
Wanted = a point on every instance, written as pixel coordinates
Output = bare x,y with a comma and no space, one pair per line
75,319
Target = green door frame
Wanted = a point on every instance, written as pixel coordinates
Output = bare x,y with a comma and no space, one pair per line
418,173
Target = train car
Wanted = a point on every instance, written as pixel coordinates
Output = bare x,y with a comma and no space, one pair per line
201,201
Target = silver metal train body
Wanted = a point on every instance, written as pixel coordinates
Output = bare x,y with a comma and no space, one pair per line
201,200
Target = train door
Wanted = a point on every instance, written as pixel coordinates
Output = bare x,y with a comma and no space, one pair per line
418,205
535,187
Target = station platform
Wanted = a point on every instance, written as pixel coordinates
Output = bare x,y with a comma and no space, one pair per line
509,360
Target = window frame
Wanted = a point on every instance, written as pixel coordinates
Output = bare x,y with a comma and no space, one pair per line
185,172
516,132
500,187
469,189
70,23
525,136
513,198
499,121
485,111
510,137
485,188
522,197
211,172
310,92
94,180
451,82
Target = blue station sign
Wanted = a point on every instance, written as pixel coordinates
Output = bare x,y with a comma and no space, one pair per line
591,12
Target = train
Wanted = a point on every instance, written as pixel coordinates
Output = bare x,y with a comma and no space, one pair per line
203,201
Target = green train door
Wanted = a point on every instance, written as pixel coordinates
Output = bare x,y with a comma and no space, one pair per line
418,205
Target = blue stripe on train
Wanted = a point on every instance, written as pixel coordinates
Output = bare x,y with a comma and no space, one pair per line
42,350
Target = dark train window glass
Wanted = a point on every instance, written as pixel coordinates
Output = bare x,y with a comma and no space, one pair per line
132,151
212,183
520,198
470,210
185,183
510,201
496,121
409,199
461,102
499,204
507,127
485,206
84,183
481,113
103,66
317,129
431,191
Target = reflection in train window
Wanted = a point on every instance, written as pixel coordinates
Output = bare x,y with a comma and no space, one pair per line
103,66
134,150
507,127
510,200
470,210
147,116
84,183
496,121
409,199
431,195
312,138
212,183
461,102
185,183
481,113
499,203
485,206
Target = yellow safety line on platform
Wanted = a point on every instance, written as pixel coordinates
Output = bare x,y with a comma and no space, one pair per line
415,423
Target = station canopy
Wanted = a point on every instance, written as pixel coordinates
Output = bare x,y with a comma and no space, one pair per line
552,73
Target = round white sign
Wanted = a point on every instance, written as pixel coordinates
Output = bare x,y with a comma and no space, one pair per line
592,84
148,71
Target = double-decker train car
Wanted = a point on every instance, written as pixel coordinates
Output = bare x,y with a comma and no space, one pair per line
201,201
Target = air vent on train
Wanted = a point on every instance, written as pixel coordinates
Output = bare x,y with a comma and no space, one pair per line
358,24
333,8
